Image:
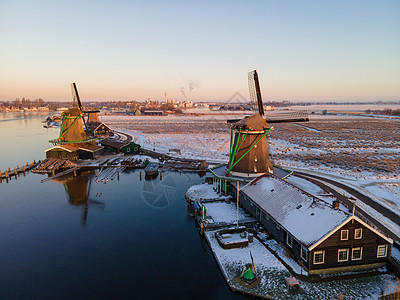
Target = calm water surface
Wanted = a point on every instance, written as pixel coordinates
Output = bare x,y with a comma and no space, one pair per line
76,238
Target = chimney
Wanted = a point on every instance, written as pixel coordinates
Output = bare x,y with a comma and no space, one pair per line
335,204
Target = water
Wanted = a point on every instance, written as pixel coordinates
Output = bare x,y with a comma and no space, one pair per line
74,238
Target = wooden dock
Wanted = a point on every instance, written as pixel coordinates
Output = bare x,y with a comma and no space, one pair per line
8,174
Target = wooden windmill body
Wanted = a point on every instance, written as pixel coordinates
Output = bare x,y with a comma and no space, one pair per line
249,150
71,130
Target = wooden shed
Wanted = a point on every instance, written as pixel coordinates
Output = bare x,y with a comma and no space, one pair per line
68,151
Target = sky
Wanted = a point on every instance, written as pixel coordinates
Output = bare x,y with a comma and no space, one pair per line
133,50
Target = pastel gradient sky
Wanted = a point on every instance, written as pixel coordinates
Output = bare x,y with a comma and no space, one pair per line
123,50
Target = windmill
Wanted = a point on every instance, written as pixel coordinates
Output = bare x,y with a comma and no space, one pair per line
248,155
71,129
93,116
73,123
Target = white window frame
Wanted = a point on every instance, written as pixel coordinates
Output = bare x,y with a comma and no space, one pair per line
301,253
377,251
352,253
287,240
355,235
342,250
347,235
323,257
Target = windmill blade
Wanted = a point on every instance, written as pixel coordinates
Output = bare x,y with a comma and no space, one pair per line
255,93
75,95
286,117
76,98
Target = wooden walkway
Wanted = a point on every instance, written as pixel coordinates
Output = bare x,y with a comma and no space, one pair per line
17,170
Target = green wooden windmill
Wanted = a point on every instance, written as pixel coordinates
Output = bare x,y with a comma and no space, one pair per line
73,122
248,155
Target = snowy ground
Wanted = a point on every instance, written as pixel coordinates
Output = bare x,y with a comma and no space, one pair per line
225,212
204,191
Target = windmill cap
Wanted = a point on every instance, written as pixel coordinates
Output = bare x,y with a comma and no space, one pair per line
253,122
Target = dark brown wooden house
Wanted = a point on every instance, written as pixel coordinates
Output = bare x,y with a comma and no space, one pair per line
99,129
319,235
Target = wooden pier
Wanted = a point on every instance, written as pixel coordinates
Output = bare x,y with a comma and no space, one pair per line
9,173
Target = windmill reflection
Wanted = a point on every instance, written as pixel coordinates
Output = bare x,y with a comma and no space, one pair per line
78,190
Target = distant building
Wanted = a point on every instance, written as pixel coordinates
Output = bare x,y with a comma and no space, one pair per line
319,235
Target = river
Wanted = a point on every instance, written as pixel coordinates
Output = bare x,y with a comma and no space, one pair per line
77,238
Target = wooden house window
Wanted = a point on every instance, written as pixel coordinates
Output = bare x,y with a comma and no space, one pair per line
343,255
356,253
344,235
382,251
357,233
303,253
319,257
289,240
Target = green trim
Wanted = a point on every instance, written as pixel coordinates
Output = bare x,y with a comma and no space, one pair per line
232,154
64,131
265,133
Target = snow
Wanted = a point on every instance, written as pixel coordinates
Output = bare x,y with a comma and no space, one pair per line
275,246
204,191
225,212
306,185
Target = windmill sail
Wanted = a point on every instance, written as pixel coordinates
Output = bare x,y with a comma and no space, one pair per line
255,93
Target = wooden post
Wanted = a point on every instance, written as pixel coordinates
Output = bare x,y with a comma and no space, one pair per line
140,174
117,175
202,228
237,204
9,170
0,174
23,169
27,164
17,166
6,174
15,171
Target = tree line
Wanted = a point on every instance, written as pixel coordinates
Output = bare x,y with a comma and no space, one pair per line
388,112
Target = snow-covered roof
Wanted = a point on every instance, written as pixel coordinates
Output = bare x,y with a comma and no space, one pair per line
305,217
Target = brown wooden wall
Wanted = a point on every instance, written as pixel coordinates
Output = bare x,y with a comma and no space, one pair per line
369,242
